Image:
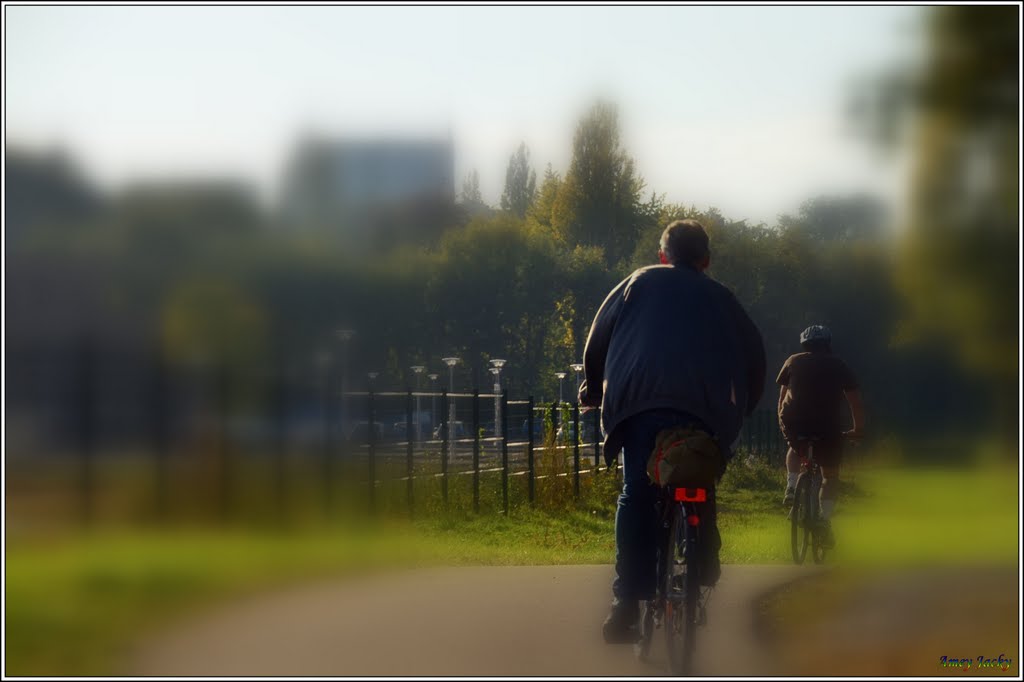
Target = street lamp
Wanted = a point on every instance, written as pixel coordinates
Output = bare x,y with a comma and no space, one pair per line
577,367
418,369
451,362
561,376
496,371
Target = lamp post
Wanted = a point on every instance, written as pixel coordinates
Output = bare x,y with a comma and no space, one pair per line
561,377
577,367
496,371
418,369
451,362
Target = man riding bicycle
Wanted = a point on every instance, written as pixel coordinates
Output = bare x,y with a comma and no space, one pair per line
668,347
812,385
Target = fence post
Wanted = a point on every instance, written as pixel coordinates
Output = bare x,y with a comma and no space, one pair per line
328,444
747,425
159,405
597,439
280,410
576,449
408,449
531,473
555,418
476,451
222,391
504,450
444,449
86,427
760,433
372,448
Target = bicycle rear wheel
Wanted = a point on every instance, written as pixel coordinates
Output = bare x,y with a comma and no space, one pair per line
682,591
801,519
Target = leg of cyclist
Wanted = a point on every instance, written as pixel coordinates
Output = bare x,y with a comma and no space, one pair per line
792,473
636,526
828,456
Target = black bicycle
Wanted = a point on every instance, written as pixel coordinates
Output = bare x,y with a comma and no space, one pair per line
680,604
806,526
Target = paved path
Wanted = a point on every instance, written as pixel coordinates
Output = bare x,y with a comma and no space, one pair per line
495,621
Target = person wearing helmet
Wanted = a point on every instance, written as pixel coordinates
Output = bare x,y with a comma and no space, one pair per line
812,385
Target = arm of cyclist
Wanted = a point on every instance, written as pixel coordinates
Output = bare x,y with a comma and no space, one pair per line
853,397
596,349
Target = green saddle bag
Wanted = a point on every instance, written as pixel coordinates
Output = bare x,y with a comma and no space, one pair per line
685,457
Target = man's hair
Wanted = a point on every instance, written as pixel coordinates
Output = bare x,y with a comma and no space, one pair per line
684,242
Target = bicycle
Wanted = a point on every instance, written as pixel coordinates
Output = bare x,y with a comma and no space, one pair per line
680,603
806,513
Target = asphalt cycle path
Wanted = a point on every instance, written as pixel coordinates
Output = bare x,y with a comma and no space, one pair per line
493,621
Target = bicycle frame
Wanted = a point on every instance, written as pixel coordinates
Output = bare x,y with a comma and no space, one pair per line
688,503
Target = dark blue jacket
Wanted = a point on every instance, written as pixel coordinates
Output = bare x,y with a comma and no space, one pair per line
671,337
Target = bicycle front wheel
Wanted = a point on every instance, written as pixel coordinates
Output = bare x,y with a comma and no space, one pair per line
801,517
682,591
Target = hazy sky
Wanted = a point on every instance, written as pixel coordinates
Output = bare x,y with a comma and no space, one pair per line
736,107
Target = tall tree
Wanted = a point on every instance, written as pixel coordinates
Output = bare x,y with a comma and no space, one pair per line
599,203
471,189
540,215
520,183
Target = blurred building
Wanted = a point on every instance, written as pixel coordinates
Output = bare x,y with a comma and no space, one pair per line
366,187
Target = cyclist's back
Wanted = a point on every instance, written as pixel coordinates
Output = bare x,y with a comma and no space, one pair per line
812,406
812,385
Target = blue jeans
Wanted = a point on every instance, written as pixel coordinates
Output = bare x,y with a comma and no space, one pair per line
636,520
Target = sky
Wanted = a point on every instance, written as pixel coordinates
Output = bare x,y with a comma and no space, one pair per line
737,107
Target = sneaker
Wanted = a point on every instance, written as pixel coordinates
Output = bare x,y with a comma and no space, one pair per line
622,626
828,538
787,500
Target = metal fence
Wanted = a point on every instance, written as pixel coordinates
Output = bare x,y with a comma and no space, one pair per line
102,427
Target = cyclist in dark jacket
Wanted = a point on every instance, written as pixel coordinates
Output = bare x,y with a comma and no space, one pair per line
669,346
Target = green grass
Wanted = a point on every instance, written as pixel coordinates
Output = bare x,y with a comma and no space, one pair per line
886,516
73,600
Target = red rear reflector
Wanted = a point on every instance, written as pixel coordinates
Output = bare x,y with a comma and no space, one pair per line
693,520
691,495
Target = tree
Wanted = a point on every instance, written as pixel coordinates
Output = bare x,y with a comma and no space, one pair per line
599,203
838,219
958,267
540,215
520,183
471,189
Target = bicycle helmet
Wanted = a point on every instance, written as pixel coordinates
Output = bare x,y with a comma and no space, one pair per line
816,334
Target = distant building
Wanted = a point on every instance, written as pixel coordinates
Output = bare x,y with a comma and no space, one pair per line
354,185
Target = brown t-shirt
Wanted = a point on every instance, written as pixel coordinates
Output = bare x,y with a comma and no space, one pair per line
816,384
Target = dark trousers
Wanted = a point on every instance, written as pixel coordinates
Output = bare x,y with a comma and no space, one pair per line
636,518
